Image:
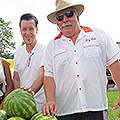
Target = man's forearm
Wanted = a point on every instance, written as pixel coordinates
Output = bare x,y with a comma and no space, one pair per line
49,87
115,71
39,81
16,84
37,84
50,107
16,80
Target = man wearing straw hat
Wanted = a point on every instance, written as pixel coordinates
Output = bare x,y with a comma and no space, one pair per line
75,67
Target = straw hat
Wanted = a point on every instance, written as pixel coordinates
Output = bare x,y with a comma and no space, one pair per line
63,4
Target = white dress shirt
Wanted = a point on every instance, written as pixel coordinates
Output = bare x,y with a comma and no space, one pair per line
79,70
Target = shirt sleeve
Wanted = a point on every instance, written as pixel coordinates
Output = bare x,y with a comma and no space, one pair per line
112,50
42,57
48,67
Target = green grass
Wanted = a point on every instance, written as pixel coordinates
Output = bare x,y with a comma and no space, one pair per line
112,97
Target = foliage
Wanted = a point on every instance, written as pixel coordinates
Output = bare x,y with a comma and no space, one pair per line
112,97
23,42
6,37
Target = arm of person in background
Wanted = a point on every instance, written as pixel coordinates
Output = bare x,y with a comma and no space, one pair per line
16,80
115,71
8,80
37,83
50,105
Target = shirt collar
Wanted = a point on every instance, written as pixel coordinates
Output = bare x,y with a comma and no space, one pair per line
80,36
82,33
32,49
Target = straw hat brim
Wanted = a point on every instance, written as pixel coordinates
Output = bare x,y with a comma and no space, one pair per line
78,7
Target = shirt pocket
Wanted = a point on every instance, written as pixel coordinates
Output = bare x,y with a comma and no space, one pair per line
60,57
91,49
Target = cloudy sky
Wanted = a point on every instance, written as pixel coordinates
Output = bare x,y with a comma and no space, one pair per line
102,14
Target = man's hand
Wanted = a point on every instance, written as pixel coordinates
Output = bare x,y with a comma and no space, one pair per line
116,104
49,108
28,89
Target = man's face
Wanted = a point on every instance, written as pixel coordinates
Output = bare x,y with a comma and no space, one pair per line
70,29
28,31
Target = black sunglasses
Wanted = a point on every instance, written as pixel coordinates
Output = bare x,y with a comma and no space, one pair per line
29,59
68,14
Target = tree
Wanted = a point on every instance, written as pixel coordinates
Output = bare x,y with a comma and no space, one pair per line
6,37
23,42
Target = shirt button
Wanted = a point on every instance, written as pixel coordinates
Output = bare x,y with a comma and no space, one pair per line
77,75
79,88
74,50
69,40
76,62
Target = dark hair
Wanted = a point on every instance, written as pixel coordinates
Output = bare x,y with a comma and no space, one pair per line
28,16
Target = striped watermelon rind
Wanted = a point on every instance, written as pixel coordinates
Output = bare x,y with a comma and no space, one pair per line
16,118
40,116
20,103
3,115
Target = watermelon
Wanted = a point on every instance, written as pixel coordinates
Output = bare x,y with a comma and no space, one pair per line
16,118
3,115
40,116
20,103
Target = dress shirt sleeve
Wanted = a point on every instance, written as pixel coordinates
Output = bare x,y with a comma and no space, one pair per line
48,65
112,50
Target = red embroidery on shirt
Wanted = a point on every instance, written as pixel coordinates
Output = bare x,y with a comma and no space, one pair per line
90,39
60,53
113,56
93,38
87,40
86,29
91,46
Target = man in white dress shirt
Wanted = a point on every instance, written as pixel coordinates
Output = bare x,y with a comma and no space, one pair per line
75,67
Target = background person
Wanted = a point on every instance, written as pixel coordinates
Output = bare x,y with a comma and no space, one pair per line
75,67
6,83
29,60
